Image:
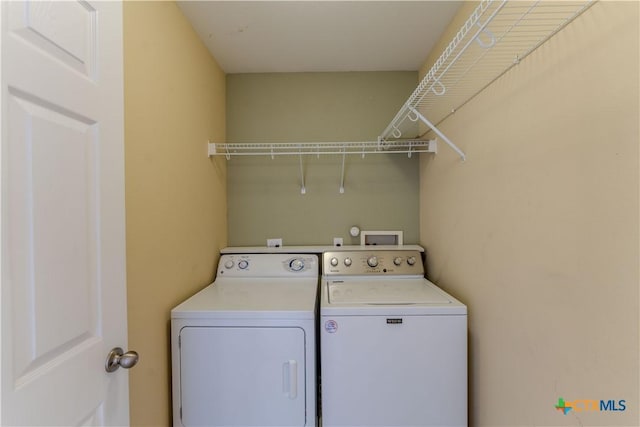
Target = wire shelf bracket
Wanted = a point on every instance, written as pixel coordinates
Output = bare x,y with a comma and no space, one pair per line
437,132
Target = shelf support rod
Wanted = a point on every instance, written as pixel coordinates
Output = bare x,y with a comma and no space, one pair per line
437,132
303,189
344,154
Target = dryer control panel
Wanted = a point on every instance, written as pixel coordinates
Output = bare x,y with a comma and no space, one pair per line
268,265
367,262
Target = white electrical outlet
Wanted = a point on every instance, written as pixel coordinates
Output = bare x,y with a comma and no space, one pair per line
274,243
337,241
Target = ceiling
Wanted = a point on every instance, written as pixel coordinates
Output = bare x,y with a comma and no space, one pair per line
320,36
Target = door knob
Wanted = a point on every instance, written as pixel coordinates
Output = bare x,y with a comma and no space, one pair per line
117,358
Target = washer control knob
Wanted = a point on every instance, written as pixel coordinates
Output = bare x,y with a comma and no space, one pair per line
334,261
372,261
296,264
243,264
229,264
411,260
347,262
397,260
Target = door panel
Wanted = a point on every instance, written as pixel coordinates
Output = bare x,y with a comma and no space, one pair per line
65,30
63,250
242,376
53,155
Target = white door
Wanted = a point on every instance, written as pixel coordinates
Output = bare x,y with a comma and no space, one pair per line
242,376
63,238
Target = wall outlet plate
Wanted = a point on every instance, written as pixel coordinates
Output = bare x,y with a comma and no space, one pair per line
274,243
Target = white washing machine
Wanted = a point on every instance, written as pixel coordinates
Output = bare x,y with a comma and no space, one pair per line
244,348
393,345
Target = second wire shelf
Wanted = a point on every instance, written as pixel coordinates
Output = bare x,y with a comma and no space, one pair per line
301,149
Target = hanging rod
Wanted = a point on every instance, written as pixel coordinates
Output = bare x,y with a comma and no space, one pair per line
322,148
498,35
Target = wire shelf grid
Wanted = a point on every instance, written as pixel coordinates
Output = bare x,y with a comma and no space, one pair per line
497,36
322,148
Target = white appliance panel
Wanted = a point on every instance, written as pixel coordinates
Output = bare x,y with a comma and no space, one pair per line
252,297
243,348
242,376
394,370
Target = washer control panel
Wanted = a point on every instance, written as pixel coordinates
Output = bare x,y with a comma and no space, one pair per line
367,262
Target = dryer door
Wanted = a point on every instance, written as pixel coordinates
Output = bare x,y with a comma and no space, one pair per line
242,376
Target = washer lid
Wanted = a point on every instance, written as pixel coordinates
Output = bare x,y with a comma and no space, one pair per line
386,292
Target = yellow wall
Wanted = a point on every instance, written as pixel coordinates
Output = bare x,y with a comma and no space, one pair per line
175,195
538,230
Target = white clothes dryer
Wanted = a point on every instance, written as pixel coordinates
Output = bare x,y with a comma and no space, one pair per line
393,345
243,348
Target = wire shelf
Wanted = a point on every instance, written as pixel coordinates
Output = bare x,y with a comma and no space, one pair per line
497,36
301,149
322,148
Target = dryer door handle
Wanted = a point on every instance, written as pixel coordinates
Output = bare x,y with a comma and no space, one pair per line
290,378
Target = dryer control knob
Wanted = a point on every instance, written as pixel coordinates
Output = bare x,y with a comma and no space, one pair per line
243,264
347,262
372,261
397,260
334,261
411,260
229,264
296,264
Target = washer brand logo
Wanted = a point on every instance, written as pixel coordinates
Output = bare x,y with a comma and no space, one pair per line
394,321
331,326
581,405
